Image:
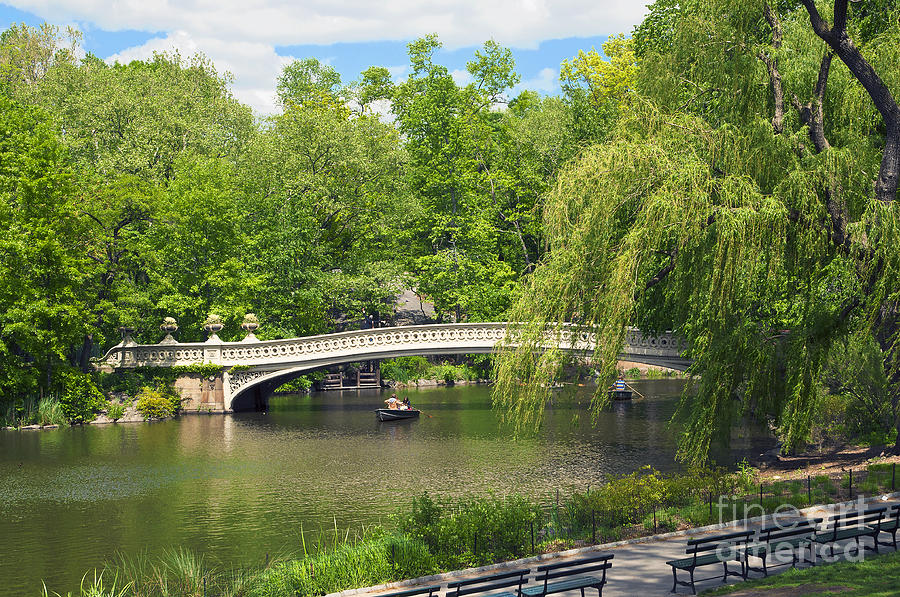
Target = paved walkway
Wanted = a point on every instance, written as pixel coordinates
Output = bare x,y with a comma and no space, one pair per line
639,569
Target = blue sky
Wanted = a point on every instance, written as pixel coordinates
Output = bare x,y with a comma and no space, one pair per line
254,39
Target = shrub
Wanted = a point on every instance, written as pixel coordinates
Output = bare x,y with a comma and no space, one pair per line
746,475
159,403
404,369
299,385
450,373
475,531
375,558
625,499
115,410
479,366
50,411
80,398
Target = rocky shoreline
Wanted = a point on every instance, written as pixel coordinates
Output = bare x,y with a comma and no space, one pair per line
131,415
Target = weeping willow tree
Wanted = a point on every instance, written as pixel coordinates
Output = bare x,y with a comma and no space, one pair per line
747,201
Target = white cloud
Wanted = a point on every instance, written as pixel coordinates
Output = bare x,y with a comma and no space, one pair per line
240,36
255,66
398,73
461,77
516,23
546,81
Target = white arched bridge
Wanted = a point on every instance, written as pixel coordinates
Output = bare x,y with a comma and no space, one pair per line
251,369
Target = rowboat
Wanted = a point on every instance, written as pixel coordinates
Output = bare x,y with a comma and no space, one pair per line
390,414
620,394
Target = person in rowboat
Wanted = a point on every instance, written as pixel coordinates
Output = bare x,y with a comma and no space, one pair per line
392,402
619,386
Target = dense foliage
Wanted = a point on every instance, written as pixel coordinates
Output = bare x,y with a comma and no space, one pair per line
746,200
729,173
158,403
134,192
452,532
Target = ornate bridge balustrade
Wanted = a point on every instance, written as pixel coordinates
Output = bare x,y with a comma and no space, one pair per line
249,365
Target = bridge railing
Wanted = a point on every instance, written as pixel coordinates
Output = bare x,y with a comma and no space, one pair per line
369,343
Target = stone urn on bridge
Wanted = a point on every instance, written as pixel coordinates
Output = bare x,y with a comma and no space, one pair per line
213,325
169,326
250,324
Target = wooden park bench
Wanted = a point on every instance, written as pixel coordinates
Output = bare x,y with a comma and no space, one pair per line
718,549
488,584
570,575
429,591
890,525
852,525
781,538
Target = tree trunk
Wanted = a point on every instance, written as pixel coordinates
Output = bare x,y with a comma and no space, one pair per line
837,39
812,114
84,359
886,183
774,74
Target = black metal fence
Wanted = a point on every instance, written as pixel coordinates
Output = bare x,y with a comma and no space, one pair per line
566,522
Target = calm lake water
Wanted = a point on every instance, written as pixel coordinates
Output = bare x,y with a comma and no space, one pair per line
240,486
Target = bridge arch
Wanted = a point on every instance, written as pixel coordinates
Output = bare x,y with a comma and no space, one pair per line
252,367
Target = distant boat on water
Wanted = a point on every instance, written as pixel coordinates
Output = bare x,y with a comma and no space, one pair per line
391,414
620,394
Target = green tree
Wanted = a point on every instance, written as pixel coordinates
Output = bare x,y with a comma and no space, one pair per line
43,312
130,131
605,80
456,242
309,83
709,213
195,253
375,84
138,118
325,200
28,53
116,214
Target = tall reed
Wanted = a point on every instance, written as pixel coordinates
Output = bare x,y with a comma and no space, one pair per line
50,412
373,558
33,410
96,588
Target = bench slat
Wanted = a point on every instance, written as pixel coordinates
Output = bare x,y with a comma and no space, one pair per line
719,538
581,570
430,590
491,582
577,562
503,575
573,573
564,585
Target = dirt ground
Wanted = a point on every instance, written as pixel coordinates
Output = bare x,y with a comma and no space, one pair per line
826,462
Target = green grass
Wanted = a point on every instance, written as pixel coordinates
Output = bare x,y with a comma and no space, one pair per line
370,561
96,587
876,577
34,410
370,558
433,536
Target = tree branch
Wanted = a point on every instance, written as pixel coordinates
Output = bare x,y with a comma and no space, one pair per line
838,40
774,74
665,271
812,114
